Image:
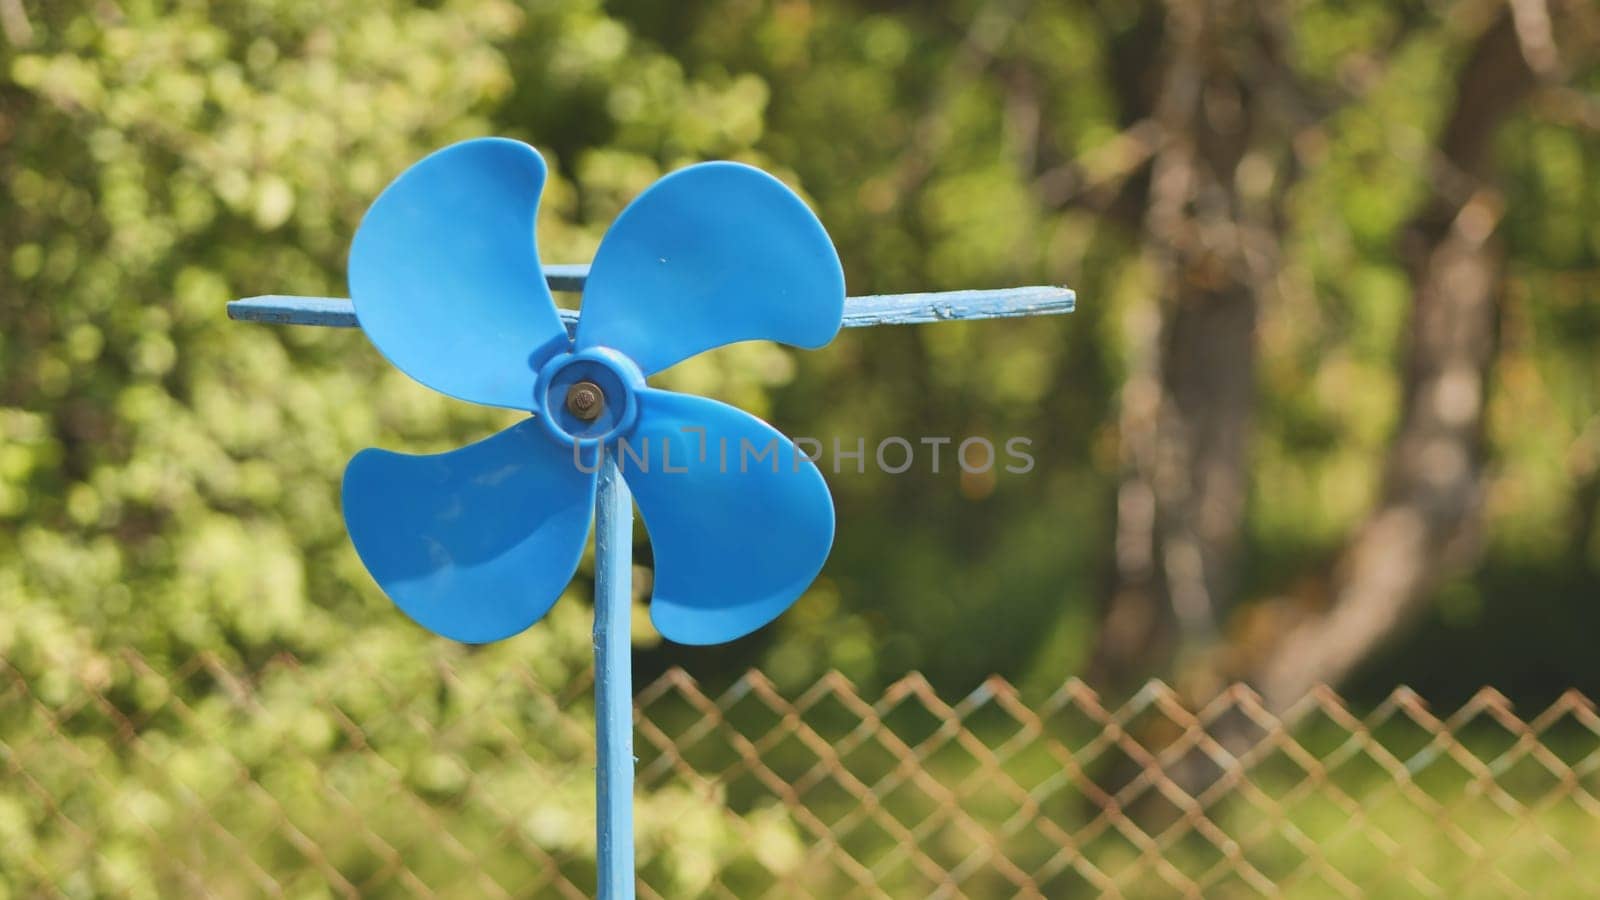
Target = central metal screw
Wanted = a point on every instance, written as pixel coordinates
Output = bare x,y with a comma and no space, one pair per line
586,401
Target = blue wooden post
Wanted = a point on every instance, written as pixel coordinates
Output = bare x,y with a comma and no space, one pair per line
613,684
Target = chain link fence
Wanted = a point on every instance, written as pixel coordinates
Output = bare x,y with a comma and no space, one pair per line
190,780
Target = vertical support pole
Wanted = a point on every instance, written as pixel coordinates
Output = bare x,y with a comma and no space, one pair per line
613,685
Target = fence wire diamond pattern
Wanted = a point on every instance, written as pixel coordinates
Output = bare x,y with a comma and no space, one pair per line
199,786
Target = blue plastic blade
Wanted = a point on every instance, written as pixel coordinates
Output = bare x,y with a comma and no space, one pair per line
445,277
475,544
740,522
711,255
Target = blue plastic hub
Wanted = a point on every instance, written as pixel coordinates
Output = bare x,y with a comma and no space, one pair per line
614,374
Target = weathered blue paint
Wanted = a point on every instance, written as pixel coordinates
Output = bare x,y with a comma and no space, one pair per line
957,306
567,277
613,686
277,309
859,312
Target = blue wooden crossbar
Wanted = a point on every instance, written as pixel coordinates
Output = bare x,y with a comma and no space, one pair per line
859,312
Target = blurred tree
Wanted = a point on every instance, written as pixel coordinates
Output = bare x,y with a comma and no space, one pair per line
1227,109
1241,126
185,637
1427,520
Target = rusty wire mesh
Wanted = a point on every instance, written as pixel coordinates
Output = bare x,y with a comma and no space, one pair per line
822,792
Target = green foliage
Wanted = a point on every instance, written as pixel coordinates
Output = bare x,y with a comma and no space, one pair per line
168,480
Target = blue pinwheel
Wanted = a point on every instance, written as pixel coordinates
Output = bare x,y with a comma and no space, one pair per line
478,543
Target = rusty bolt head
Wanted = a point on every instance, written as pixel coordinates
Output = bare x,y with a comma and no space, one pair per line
586,401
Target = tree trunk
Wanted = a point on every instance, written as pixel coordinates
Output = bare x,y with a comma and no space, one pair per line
1426,520
1186,407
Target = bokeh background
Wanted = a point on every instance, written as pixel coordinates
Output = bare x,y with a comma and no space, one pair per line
1327,411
